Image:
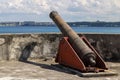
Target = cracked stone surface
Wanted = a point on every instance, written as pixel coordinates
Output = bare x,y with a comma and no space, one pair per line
42,70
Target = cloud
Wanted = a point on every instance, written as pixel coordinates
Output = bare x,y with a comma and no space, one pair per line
71,10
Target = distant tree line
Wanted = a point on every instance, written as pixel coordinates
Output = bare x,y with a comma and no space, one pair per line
77,24
95,24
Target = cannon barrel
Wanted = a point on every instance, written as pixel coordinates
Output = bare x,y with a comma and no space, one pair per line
81,48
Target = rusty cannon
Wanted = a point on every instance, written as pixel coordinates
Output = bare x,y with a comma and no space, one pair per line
75,51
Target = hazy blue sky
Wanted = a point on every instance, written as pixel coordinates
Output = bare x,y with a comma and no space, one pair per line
70,10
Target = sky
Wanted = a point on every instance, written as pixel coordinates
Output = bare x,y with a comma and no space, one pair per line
70,10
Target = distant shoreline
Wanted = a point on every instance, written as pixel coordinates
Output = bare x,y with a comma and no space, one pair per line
77,24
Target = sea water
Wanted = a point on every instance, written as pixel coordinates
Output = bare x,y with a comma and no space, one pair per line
46,29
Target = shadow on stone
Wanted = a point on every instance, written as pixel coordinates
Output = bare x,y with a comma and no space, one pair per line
27,51
55,67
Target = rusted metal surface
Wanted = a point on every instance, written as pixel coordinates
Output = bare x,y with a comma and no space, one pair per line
68,57
83,51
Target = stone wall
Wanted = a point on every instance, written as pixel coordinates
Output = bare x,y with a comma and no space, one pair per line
108,45
13,46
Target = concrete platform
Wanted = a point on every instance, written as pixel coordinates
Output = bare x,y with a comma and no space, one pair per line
42,70
90,74
106,73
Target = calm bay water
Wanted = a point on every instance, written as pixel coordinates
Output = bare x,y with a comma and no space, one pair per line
44,29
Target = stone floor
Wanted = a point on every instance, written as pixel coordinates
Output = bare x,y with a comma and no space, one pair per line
42,70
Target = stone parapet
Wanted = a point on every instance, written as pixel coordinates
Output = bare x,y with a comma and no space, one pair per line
45,45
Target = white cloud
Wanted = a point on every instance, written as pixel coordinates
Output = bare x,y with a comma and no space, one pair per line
90,9
117,3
